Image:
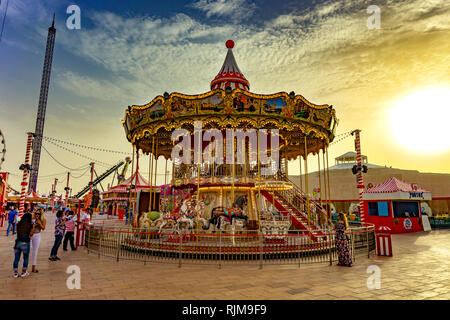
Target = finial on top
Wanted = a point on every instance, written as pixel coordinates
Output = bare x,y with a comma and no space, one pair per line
53,22
229,44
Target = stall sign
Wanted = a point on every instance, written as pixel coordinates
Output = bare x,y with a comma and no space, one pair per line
416,195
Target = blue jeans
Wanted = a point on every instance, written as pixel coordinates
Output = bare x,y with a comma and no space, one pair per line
18,249
13,225
58,240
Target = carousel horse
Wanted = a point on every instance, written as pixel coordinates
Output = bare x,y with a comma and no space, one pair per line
240,221
167,220
229,214
189,212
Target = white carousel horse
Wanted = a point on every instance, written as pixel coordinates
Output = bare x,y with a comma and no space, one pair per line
223,222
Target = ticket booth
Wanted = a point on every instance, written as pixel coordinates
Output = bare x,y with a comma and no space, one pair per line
395,204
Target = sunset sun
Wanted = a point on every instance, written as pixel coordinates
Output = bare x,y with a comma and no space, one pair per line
420,121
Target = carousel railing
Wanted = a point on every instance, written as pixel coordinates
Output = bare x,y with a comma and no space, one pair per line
297,197
223,248
191,171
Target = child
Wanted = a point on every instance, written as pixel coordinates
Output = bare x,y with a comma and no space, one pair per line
70,230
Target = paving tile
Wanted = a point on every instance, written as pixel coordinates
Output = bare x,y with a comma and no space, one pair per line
417,271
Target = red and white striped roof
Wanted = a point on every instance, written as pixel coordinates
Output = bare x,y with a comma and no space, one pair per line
136,179
394,185
230,75
384,228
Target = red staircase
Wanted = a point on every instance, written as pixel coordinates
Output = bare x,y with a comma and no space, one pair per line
299,218
293,202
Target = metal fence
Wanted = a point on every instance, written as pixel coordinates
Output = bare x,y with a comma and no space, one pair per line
223,248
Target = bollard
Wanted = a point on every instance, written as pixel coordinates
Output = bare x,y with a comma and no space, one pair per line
384,241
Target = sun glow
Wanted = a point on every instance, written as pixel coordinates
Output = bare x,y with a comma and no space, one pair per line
421,121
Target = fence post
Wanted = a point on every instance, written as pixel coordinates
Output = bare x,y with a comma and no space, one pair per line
260,249
220,250
118,246
100,242
330,241
179,249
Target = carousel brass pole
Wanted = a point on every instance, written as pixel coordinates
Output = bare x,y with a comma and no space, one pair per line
233,149
156,171
151,176
149,181
306,188
273,192
165,186
131,183
325,189
300,165
259,182
320,182
198,179
328,182
135,179
286,159
173,185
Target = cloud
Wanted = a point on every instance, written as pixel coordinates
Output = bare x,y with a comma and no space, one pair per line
234,9
324,52
329,43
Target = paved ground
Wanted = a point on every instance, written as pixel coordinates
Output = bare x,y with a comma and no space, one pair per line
418,270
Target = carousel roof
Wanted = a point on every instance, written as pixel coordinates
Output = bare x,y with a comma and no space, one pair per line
230,75
136,179
393,185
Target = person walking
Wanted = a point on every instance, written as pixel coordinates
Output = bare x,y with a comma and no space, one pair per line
12,217
343,252
60,228
70,230
22,245
39,224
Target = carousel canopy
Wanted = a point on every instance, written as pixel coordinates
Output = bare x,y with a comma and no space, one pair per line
394,188
304,127
136,179
230,75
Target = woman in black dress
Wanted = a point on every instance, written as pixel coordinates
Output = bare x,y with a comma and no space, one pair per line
342,250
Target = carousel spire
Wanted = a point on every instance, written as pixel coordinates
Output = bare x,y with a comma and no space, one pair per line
230,75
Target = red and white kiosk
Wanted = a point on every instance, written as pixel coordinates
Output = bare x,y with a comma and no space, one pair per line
395,204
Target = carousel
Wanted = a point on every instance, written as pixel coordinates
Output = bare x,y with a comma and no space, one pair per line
229,149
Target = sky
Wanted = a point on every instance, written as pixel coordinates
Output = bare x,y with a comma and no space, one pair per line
128,52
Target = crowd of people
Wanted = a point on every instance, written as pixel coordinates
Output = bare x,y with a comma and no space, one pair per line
29,228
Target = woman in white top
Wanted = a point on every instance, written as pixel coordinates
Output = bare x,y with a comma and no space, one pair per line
39,224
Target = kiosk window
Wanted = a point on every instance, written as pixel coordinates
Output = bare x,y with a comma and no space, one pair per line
378,209
405,209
